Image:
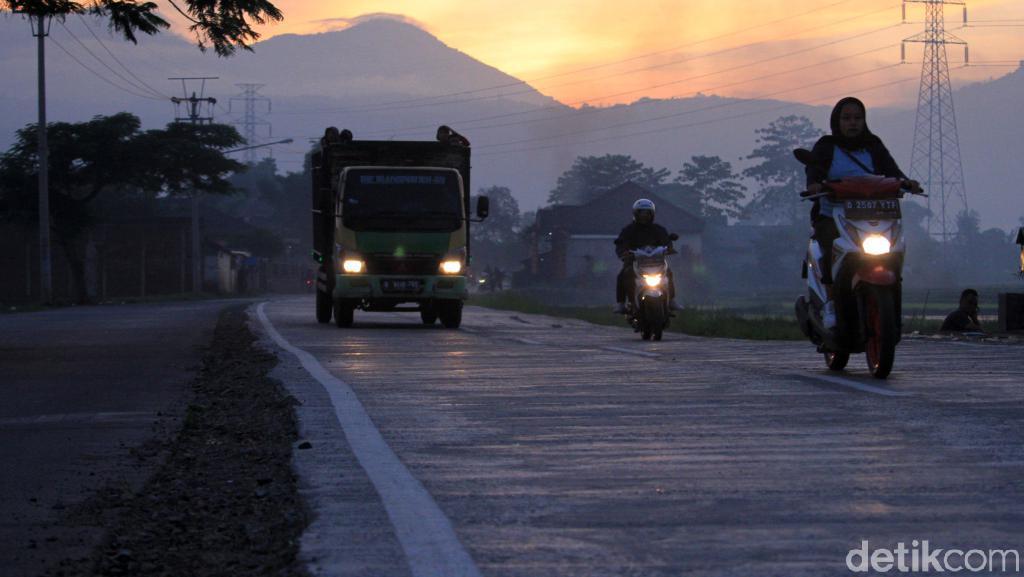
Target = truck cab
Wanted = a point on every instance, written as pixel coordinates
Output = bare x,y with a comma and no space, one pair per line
391,227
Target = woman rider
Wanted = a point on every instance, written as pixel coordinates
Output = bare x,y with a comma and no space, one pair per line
851,150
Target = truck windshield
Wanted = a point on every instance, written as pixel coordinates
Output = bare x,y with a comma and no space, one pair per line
401,199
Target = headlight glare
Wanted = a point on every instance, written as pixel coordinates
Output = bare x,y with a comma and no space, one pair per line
353,266
652,280
451,266
876,244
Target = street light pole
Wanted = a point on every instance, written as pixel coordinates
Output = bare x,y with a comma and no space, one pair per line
40,29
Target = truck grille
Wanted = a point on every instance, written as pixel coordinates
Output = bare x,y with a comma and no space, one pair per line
410,265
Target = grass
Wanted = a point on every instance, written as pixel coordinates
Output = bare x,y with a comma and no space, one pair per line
699,322
703,322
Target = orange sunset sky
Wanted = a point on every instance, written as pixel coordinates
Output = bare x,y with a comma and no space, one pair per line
664,48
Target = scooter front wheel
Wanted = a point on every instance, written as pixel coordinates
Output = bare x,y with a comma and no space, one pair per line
880,348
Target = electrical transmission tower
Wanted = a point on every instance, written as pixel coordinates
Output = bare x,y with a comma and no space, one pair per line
936,158
250,122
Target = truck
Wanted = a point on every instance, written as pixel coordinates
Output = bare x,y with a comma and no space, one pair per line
391,226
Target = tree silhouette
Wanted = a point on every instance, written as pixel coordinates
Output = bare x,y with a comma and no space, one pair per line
713,181
110,155
781,178
590,176
224,24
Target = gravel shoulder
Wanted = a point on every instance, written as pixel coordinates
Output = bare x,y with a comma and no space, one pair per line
224,501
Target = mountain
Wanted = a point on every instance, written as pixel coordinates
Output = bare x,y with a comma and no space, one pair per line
388,79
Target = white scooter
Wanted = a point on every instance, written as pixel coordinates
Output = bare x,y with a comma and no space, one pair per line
867,272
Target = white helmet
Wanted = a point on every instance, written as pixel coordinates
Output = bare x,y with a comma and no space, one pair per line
642,205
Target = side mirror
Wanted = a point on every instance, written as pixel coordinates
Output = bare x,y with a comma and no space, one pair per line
673,237
483,207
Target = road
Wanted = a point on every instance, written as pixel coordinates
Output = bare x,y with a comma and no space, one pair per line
525,445
86,393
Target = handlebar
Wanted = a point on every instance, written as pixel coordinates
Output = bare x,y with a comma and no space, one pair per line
809,195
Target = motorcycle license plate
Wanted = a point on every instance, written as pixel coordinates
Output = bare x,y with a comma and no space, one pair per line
872,209
401,285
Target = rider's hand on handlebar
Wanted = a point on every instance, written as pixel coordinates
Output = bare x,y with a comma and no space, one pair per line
812,189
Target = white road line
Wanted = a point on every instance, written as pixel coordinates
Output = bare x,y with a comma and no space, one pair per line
431,547
858,385
632,352
125,417
526,341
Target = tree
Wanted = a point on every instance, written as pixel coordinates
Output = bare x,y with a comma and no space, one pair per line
781,178
224,24
110,155
502,224
589,176
713,181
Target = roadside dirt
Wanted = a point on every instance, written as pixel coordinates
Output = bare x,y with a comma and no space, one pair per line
225,501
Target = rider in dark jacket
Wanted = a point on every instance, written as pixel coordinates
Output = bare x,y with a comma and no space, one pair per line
851,150
640,233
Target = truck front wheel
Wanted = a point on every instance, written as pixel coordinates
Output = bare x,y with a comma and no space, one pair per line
450,313
323,307
344,313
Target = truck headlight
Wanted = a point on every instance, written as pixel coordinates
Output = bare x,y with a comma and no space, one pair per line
876,244
451,266
353,265
652,280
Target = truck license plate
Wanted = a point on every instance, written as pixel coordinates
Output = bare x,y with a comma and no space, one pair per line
401,285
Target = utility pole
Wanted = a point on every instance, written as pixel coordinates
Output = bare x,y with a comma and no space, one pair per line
40,30
936,159
194,107
250,99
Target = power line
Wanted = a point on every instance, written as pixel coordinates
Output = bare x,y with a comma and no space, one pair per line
412,103
661,85
104,64
687,112
142,82
692,124
98,75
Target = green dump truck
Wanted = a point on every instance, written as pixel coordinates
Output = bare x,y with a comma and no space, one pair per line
391,226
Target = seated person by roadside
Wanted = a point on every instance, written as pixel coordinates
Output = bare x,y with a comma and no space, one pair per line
965,318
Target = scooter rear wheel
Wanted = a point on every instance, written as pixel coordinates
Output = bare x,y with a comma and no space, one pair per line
836,361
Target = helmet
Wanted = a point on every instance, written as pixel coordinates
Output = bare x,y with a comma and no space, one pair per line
641,206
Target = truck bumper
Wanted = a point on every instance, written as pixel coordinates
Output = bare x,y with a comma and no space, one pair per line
358,286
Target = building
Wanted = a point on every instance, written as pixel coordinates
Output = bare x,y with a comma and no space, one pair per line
576,241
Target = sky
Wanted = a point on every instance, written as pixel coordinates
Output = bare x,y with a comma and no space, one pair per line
593,52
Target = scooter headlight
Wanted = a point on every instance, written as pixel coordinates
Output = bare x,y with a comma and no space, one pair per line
876,244
652,280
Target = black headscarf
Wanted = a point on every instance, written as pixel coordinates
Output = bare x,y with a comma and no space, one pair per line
859,142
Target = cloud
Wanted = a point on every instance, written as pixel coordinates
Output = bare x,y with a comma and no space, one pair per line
341,23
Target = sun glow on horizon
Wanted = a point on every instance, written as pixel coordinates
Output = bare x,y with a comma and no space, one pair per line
595,53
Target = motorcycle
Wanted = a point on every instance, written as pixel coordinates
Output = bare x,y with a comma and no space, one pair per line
647,311
867,265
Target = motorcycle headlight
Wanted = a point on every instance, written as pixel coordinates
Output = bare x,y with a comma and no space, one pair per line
652,280
876,244
353,265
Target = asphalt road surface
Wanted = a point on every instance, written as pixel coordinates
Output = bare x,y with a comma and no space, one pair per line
85,390
525,445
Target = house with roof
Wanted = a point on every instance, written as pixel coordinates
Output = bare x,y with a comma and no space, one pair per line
577,241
